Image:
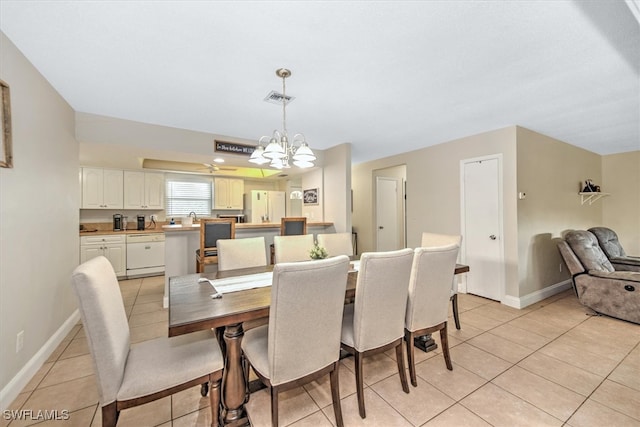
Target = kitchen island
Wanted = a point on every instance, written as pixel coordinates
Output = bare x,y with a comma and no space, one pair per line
181,243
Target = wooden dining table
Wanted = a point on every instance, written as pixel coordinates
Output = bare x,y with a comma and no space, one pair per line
192,308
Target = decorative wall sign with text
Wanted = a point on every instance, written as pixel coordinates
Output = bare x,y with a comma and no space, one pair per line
233,147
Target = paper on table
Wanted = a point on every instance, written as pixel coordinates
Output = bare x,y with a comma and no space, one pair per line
241,283
354,265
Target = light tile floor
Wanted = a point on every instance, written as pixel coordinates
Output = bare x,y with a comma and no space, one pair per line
551,364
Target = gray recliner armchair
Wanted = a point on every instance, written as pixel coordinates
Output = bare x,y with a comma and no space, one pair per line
608,241
597,284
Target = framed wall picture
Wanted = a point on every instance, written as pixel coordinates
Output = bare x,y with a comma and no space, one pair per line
310,197
6,156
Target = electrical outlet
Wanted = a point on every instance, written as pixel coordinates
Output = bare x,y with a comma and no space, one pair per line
19,341
560,265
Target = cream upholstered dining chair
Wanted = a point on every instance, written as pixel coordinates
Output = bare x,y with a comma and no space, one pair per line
290,226
434,239
302,340
241,253
128,374
375,321
428,304
211,230
293,248
336,243
234,254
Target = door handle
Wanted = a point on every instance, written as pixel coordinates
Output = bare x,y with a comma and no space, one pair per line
492,237
380,227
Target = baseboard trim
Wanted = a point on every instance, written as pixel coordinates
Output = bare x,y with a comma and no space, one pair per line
22,378
536,296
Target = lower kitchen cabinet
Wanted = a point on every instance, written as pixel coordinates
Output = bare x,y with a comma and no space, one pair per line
113,247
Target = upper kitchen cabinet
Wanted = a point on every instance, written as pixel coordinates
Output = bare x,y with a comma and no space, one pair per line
228,193
102,188
143,190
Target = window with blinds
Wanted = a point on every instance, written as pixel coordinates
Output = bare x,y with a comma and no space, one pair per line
188,194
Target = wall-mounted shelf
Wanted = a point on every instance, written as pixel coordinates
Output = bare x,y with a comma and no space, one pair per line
591,197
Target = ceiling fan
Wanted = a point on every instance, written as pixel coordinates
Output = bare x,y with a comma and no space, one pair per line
214,168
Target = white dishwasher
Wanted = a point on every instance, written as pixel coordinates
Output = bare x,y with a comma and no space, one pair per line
145,254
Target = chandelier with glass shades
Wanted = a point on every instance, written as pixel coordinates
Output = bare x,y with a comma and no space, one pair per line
279,149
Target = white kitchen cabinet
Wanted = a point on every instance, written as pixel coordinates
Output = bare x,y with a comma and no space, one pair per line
113,247
143,190
102,188
228,193
154,186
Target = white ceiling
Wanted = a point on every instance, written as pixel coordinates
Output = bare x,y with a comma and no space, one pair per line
387,77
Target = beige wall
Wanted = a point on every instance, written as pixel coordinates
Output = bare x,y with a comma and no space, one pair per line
621,210
337,187
39,201
262,185
550,172
433,191
123,144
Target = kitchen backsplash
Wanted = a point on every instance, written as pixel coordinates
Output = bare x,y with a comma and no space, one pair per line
108,226
106,215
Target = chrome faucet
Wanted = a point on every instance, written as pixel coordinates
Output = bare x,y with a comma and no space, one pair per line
195,217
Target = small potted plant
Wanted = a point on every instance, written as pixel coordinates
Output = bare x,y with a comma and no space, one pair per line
318,252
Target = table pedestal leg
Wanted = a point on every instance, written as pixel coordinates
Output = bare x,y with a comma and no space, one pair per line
425,343
234,394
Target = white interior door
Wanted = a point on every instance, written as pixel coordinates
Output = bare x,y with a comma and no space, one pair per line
482,226
387,221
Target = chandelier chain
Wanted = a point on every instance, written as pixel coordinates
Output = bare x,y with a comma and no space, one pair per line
284,105
280,150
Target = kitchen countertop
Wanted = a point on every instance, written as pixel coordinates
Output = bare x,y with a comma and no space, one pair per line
100,229
240,226
158,229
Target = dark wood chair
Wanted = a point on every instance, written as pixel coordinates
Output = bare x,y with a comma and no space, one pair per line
290,226
211,230
293,226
